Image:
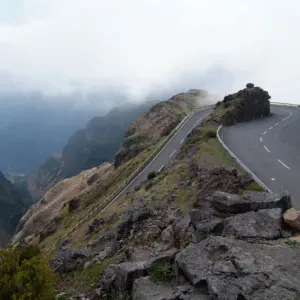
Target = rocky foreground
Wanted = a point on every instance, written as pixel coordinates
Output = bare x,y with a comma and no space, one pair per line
230,248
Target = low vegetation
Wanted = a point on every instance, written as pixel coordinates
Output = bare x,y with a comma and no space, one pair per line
161,272
24,275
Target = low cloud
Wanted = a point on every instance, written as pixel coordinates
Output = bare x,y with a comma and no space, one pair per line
149,48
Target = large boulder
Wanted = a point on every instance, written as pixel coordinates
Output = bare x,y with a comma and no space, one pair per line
121,277
138,211
233,269
145,289
68,260
247,104
249,201
292,218
265,223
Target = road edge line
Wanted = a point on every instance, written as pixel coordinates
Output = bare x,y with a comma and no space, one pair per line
260,182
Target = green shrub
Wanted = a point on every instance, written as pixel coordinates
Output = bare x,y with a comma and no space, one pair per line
25,276
292,243
211,134
151,175
161,272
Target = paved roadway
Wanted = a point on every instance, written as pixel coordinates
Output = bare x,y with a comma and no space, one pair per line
172,148
270,148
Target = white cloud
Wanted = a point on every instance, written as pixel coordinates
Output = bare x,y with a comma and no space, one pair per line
142,44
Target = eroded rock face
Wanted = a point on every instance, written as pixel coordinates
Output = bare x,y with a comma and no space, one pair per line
235,269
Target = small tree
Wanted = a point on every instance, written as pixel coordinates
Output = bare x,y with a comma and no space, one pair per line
25,276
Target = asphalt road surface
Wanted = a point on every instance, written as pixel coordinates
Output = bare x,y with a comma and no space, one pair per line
172,148
270,148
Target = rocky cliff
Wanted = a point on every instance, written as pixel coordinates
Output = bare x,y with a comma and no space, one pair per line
12,207
247,104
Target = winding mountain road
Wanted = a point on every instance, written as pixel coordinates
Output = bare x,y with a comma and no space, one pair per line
270,148
172,148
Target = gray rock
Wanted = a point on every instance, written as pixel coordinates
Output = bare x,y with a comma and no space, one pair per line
67,260
88,264
292,218
249,201
183,232
167,235
65,242
206,227
198,215
95,225
234,269
58,296
165,257
265,223
138,211
145,289
121,277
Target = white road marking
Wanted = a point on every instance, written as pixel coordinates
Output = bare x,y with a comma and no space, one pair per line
276,124
172,153
161,168
271,128
283,164
265,132
287,116
267,149
260,139
272,179
182,141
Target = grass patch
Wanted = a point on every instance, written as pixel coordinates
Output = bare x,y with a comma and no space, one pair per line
85,278
292,243
161,272
255,187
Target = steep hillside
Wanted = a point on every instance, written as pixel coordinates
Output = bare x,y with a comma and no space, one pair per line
199,229
89,147
12,207
159,121
153,125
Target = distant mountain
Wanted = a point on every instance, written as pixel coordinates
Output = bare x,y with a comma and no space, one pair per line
12,207
32,127
88,147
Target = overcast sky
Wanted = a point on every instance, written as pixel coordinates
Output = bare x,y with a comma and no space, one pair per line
144,45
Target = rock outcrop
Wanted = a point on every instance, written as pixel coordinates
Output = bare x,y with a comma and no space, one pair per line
225,251
234,269
245,105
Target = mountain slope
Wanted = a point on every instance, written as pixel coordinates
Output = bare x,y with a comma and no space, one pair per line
152,126
88,147
12,207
